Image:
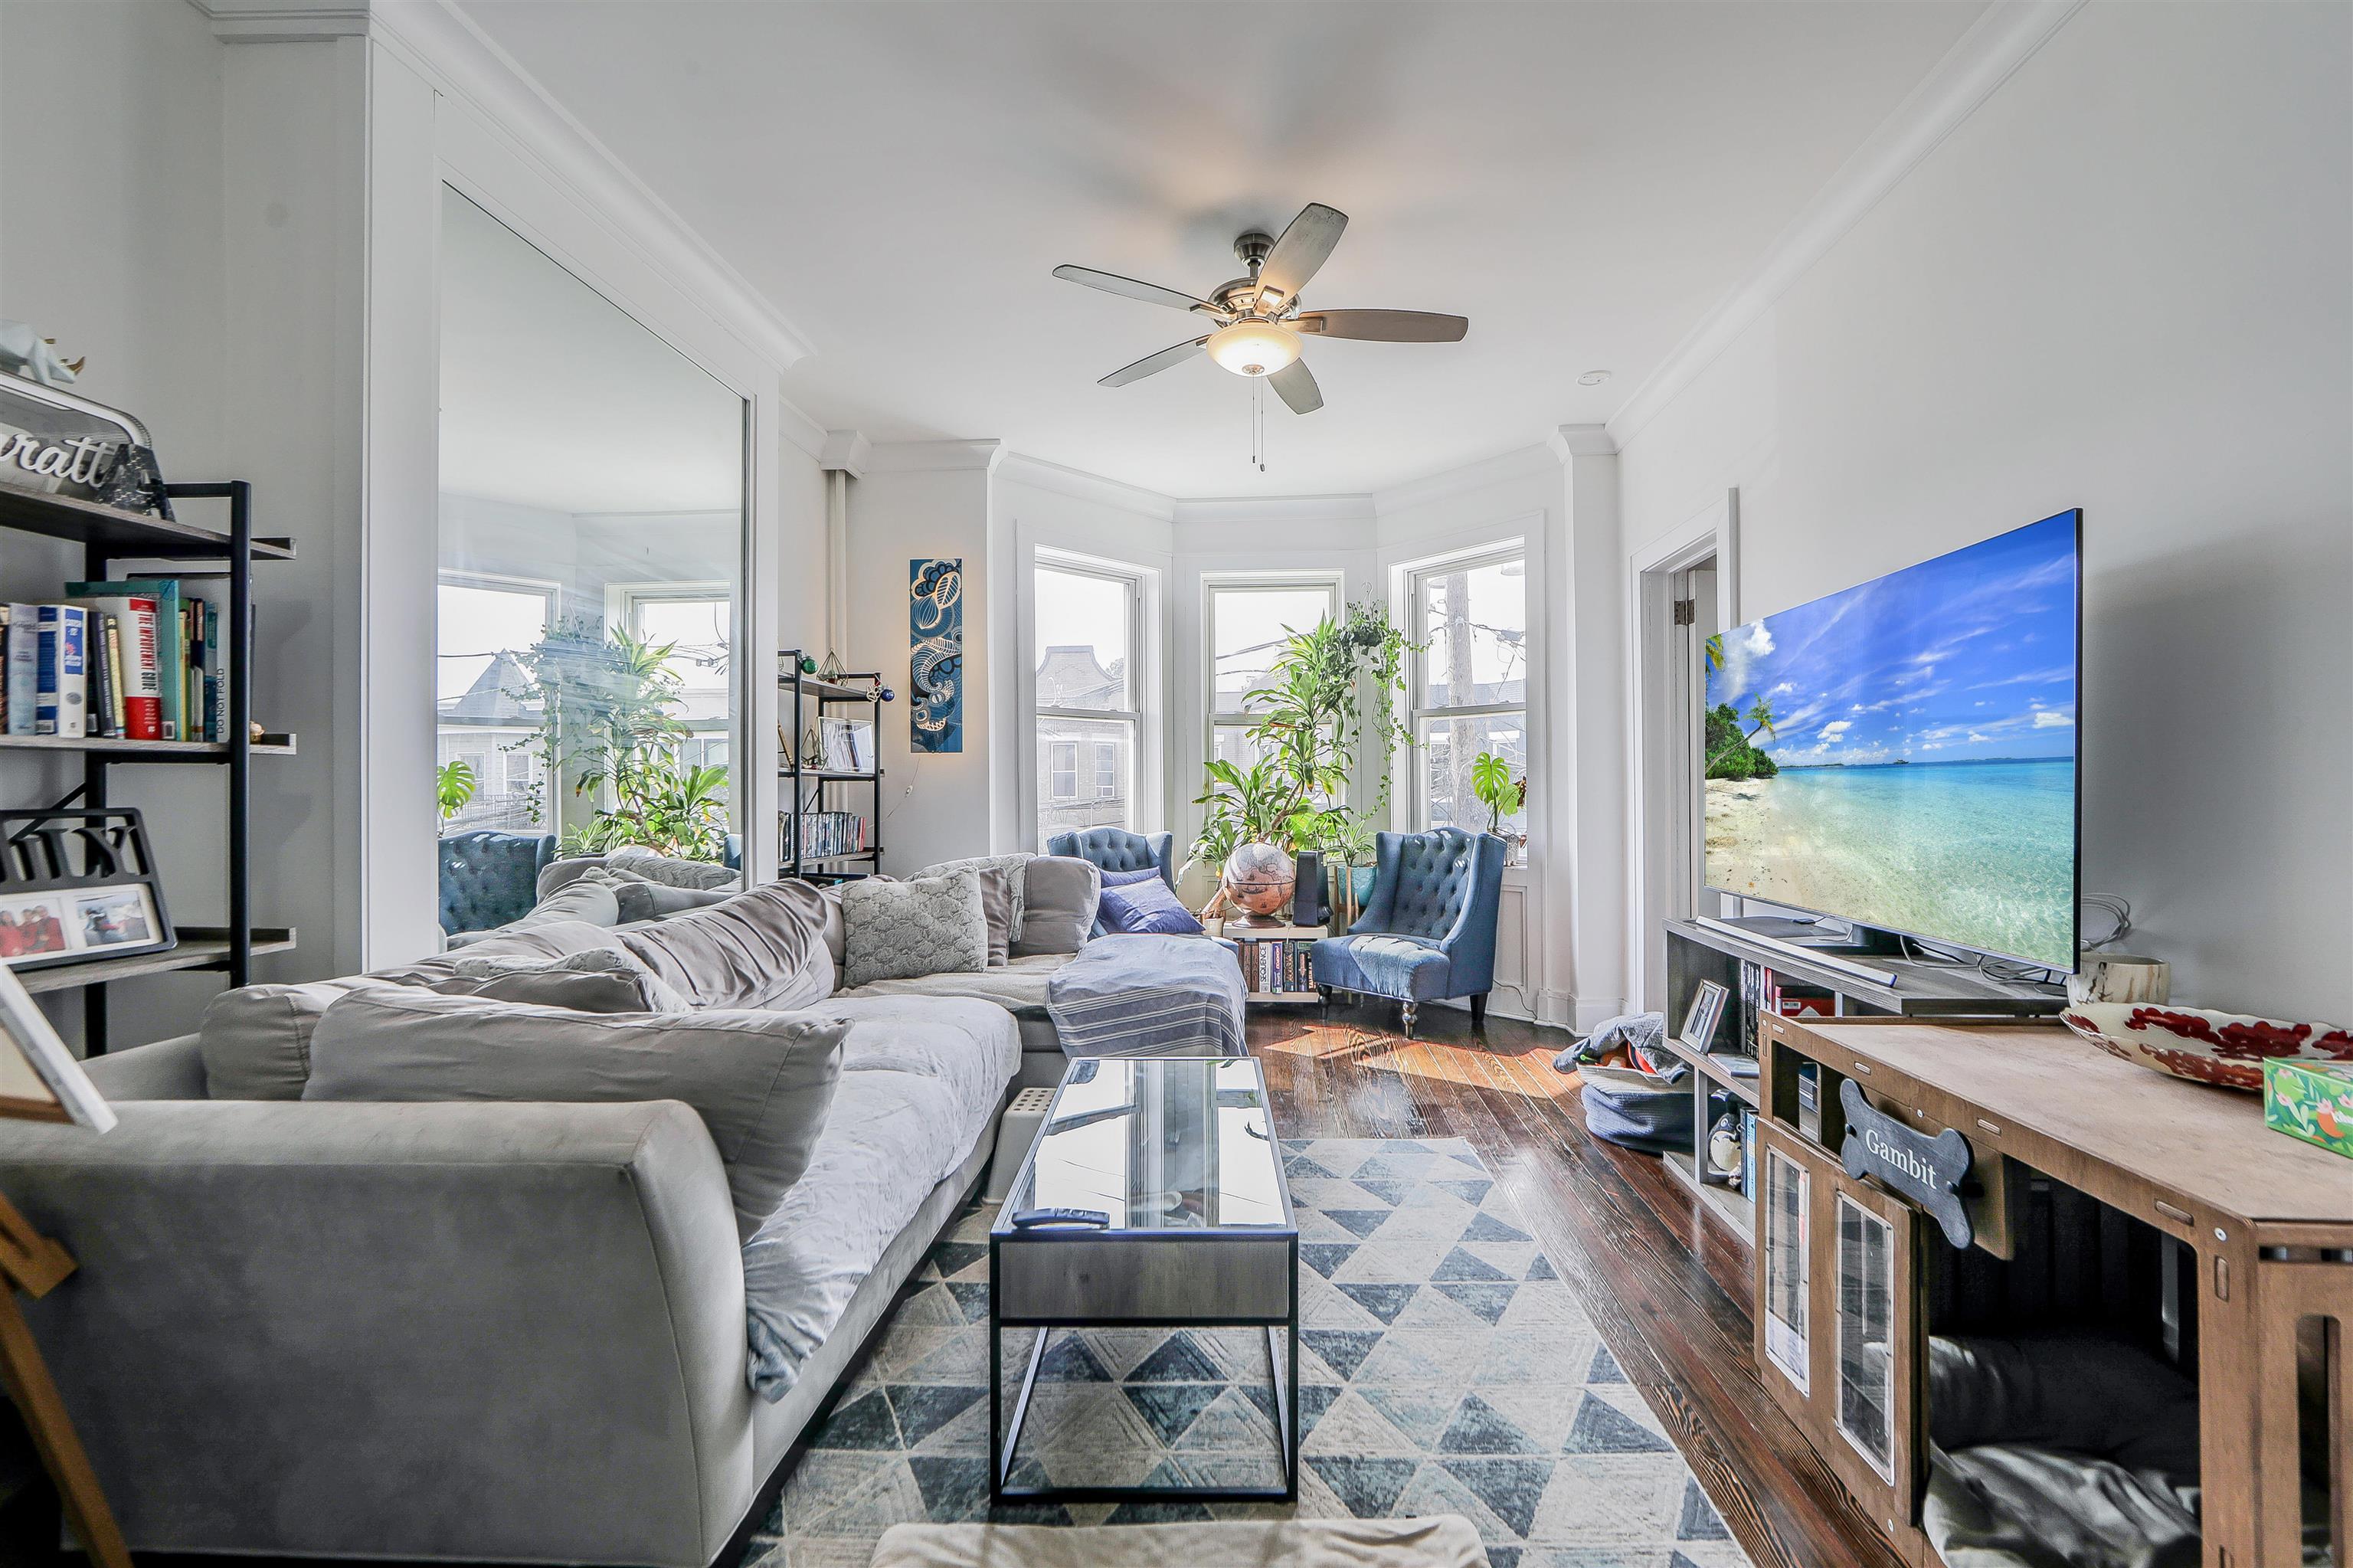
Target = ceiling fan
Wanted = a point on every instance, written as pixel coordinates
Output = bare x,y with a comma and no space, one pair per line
1259,324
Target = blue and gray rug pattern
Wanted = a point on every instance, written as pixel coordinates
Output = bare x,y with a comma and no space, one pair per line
1446,1368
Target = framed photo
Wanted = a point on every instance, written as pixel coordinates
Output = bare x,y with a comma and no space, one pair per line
78,884
40,1080
1705,1011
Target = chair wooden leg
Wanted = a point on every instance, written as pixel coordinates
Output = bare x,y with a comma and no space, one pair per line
1479,1012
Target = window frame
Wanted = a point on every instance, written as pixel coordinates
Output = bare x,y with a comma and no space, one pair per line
1135,583
1332,584
551,593
1418,578
622,604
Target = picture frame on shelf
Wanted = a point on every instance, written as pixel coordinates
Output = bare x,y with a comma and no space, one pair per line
847,745
1700,1020
79,885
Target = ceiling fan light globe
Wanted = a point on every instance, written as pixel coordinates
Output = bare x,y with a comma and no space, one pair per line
1254,348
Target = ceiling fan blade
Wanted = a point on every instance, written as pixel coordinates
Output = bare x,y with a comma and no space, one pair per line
1295,386
1150,293
1385,326
1304,247
1153,364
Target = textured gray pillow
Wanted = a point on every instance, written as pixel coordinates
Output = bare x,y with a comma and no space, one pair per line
1057,907
762,1082
598,981
668,870
898,930
256,1040
761,948
1001,897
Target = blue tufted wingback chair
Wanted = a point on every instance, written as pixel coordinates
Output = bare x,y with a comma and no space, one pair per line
1116,849
489,878
1429,931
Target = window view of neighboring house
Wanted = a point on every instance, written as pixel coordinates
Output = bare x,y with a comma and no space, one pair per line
480,719
1471,684
1085,754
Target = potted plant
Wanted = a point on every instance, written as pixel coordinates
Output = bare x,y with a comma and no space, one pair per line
1502,795
453,788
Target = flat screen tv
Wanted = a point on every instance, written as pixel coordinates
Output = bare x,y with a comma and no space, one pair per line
1901,754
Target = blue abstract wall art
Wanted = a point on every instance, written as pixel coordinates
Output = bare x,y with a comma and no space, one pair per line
936,654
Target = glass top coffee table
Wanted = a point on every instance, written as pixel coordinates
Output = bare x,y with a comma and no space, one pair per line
1153,1196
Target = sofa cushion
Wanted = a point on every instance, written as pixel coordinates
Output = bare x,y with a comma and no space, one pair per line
762,1082
1019,986
761,948
256,1040
641,900
598,981
592,900
930,926
1001,880
671,869
1058,906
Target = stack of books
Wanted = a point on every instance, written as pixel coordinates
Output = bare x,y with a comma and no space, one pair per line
132,661
1278,968
1764,992
827,834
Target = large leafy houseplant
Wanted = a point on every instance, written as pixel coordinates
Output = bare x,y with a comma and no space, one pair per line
1327,691
609,728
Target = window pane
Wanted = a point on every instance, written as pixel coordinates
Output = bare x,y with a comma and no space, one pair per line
1475,622
1082,640
1247,629
482,716
1449,747
1086,769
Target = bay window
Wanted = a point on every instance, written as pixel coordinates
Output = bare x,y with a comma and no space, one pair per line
1469,686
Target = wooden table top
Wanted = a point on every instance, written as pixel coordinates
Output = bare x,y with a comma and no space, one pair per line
2209,1143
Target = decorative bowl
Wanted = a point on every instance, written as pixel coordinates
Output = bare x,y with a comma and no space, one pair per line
2206,1047
1260,878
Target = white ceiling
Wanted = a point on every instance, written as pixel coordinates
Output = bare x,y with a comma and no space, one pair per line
553,397
1582,181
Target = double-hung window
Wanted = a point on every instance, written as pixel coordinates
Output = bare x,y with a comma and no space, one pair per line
1470,681
1084,627
1248,619
695,622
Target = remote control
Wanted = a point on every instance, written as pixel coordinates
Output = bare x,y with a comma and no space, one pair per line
1042,1219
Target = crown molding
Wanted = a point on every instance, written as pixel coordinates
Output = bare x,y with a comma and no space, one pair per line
283,21
463,62
1583,440
1080,485
2005,38
1286,510
933,457
846,451
1521,462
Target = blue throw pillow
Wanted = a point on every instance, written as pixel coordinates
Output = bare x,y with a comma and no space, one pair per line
1145,906
1130,878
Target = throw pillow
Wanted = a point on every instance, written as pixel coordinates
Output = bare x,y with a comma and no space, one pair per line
1058,906
1112,879
599,981
762,1082
1001,897
1147,907
761,948
668,870
899,930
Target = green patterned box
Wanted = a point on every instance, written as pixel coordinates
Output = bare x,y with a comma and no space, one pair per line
2311,1100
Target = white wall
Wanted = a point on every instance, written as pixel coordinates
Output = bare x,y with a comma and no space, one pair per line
917,501
2122,284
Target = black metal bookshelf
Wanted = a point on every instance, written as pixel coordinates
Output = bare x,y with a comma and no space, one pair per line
805,787
108,535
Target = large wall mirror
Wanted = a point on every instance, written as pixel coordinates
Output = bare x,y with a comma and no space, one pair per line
588,647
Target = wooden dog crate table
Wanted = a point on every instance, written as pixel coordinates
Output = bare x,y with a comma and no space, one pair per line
2258,1264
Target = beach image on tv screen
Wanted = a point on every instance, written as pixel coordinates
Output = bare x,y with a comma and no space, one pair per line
1902,754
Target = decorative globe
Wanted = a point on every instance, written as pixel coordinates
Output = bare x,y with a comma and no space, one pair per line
1259,877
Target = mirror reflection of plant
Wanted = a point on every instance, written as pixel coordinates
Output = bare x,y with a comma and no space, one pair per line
1309,721
609,705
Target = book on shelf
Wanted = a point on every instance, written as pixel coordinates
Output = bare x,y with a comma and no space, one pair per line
24,654
130,664
827,835
106,709
61,703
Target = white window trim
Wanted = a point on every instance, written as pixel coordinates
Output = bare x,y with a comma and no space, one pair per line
1141,713
621,602
1416,575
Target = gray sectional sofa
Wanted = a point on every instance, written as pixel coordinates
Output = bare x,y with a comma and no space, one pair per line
498,1331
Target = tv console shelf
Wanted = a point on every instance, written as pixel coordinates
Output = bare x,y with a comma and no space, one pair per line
1923,988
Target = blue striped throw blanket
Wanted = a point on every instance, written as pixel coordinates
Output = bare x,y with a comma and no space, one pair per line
1149,996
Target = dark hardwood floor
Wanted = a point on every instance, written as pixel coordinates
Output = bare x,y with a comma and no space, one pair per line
1667,1285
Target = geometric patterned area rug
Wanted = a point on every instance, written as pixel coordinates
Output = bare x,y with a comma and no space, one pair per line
1445,1368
